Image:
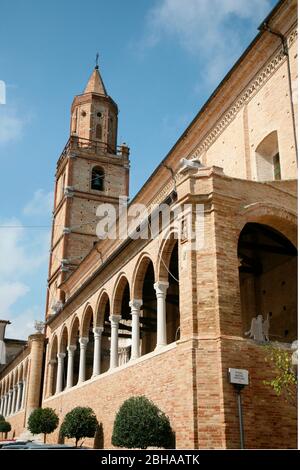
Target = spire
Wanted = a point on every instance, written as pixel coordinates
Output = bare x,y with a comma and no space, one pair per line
95,83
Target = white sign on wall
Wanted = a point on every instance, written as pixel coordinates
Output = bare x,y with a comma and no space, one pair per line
238,376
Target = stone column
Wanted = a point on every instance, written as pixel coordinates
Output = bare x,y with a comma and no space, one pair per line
83,345
8,411
2,405
5,404
161,292
34,379
70,370
19,397
23,394
114,340
50,384
135,306
14,399
97,350
60,372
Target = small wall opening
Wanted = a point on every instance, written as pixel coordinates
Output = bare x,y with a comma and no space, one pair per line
268,158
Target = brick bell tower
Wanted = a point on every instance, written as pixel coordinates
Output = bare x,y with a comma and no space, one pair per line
91,170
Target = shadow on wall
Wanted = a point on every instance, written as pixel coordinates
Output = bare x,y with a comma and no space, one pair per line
99,437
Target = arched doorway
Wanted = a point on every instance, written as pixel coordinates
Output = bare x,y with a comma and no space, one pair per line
268,281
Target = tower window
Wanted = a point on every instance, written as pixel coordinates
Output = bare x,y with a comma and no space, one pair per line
99,132
97,182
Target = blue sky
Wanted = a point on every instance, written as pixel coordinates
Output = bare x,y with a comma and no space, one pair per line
159,59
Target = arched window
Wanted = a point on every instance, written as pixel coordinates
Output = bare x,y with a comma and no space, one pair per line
99,131
268,159
97,179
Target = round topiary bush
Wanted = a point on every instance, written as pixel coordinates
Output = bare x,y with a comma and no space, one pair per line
5,427
139,423
43,421
2,418
79,423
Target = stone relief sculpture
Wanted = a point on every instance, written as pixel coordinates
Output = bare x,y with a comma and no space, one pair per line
259,329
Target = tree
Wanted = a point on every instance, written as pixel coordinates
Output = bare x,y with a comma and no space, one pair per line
5,427
79,423
139,423
285,381
43,421
2,418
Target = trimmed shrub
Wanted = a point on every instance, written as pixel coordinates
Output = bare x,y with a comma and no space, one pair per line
79,423
5,427
139,423
43,421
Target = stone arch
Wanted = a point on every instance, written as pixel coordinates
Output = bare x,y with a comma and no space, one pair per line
87,319
52,365
64,339
74,343
139,274
164,255
267,278
282,220
74,331
101,309
87,326
121,299
120,286
168,275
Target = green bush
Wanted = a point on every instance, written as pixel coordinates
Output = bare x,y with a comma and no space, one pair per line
2,418
43,421
79,423
139,423
5,427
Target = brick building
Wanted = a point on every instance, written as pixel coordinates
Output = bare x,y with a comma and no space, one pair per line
158,316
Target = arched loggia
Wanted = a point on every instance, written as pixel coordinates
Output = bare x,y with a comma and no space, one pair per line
268,283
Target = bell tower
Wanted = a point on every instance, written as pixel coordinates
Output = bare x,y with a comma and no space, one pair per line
91,170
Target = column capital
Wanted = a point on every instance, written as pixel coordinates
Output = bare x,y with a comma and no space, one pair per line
83,341
114,319
72,348
61,355
52,362
135,305
98,330
161,287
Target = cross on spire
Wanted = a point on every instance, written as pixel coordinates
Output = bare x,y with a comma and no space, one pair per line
97,60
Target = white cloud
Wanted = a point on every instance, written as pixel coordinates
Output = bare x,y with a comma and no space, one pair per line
11,125
23,324
41,203
22,253
11,292
206,29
